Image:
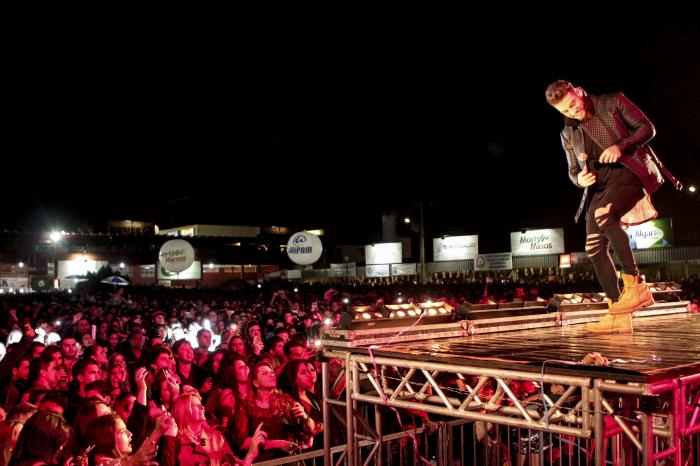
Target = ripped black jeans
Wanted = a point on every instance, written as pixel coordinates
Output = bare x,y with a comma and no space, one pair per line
603,229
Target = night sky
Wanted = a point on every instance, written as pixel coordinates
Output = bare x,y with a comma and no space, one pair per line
316,132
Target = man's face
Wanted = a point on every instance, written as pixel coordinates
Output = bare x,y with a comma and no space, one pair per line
572,105
163,361
296,352
254,332
238,346
278,349
83,326
58,357
185,353
136,340
92,373
69,348
204,340
37,352
23,370
100,355
50,374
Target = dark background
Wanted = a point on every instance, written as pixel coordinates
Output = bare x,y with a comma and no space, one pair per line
320,131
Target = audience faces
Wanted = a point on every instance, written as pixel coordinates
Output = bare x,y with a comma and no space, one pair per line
185,352
163,360
110,436
69,348
238,345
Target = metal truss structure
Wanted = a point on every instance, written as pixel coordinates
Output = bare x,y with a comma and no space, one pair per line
654,421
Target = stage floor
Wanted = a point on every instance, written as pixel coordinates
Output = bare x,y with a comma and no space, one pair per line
675,339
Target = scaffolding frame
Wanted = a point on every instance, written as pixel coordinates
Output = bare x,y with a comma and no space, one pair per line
655,419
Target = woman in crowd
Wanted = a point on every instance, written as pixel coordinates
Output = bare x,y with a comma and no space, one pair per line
112,443
113,339
200,443
298,382
238,346
221,403
87,412
41,441
119,381
214,362
165,388
9,432
282,418
111,439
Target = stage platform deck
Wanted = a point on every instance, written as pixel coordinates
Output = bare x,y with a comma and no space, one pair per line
660,348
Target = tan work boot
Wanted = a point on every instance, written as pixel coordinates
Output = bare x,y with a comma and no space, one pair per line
612,323
635,295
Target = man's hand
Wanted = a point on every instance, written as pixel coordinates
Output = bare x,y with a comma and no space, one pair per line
610,155
29,331
140,378
586,178
206,386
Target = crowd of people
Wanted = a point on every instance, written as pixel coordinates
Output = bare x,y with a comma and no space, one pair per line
185,376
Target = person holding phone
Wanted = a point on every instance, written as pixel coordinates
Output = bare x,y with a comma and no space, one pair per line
281,416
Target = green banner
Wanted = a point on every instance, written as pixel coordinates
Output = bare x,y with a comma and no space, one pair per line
41,282
652,234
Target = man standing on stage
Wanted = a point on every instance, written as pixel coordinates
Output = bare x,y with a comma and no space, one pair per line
605,139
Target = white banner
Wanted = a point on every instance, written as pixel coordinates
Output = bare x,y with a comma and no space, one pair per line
16,283
383,253
193,272
455,248
537,242
79,267
347,269
377,270
500,261
403,269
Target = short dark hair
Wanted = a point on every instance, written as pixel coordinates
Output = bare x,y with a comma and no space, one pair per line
101,386
56,396
557,90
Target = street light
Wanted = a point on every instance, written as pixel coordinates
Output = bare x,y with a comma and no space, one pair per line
422,272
